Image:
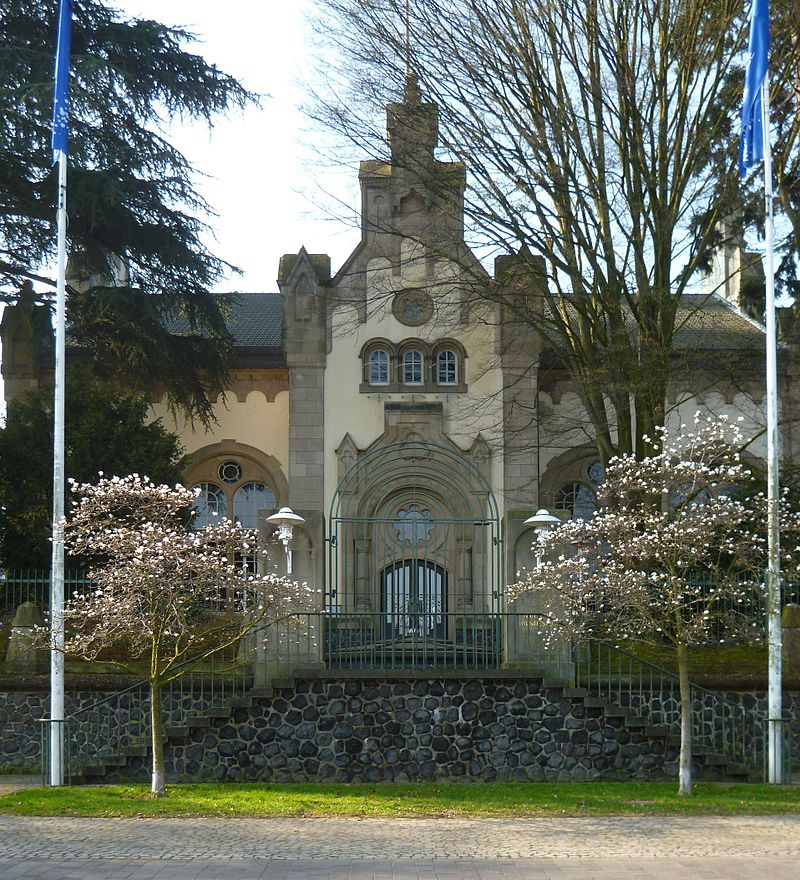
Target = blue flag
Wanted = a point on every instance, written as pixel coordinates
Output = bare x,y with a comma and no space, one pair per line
751,145
61,98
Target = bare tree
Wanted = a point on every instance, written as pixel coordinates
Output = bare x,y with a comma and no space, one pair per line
675,556
587,128
166,595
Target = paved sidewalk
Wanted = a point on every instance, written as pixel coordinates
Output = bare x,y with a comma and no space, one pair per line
711,848
14,783
440,869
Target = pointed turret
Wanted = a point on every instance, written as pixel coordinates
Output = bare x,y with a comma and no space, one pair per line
413,128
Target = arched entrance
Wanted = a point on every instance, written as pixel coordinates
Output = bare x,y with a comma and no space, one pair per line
413,568
414,594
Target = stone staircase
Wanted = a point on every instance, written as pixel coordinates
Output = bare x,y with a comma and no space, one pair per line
618,723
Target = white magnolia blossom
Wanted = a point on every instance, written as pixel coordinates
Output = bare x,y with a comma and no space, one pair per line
164,592
675,553
167,595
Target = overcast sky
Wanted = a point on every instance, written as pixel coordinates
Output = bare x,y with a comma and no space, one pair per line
265,180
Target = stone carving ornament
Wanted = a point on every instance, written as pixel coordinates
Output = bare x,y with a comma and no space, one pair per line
412,307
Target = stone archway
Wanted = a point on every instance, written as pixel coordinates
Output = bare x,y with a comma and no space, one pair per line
414,555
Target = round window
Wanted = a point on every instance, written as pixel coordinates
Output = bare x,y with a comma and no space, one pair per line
230,472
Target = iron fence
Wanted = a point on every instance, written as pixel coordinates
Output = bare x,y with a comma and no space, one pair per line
33,585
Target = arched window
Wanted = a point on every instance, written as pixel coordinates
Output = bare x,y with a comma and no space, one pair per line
447,367
248,500
576,498
378,367
211,505
412,367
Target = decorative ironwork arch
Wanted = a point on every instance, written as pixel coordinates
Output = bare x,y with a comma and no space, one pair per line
414,562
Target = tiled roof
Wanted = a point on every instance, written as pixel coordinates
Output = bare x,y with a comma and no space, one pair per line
712,323
707,322
254,319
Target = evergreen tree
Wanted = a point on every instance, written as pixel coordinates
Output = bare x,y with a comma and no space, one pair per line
132,200
105,431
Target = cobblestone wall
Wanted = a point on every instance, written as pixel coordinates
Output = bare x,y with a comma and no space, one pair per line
382,731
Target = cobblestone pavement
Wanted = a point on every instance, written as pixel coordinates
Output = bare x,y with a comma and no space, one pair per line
604,837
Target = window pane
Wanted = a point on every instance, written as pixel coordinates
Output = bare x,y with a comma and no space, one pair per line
446,368
412,368
379,368
578,499
595,472
248,500
211,505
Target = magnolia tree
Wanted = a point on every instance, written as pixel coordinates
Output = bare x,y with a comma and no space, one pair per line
674,555
166,595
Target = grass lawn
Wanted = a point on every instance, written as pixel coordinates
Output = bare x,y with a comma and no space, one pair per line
422,800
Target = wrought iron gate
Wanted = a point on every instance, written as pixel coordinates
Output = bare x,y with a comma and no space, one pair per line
413,569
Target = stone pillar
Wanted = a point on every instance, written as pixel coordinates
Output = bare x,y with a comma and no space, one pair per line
303,283
25,652
790,624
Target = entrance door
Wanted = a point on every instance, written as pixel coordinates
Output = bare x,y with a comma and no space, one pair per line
414,598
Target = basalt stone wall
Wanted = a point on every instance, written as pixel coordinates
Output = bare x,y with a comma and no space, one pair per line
20,729
398,731
387,730
742,723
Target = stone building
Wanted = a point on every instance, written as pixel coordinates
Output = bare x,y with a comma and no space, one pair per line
412,425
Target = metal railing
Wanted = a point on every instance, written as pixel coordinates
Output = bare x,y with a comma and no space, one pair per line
118,723
374,642
33,585
719,724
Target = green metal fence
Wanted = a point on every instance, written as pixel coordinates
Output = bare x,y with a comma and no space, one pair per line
33,585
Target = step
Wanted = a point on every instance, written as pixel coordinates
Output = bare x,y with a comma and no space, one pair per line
282,683
218,711
616,712
176,731
553,683
201,721
658,730
258,693
635,721
135,751
576,692
716,760
115,761
241,702
595,703
92,770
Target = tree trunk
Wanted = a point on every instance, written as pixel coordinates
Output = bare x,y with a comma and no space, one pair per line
685,760
158,788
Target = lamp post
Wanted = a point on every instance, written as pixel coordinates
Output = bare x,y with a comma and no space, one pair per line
542,521
286,519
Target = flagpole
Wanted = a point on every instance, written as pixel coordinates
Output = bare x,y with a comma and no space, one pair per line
60,123
774,635
57,568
